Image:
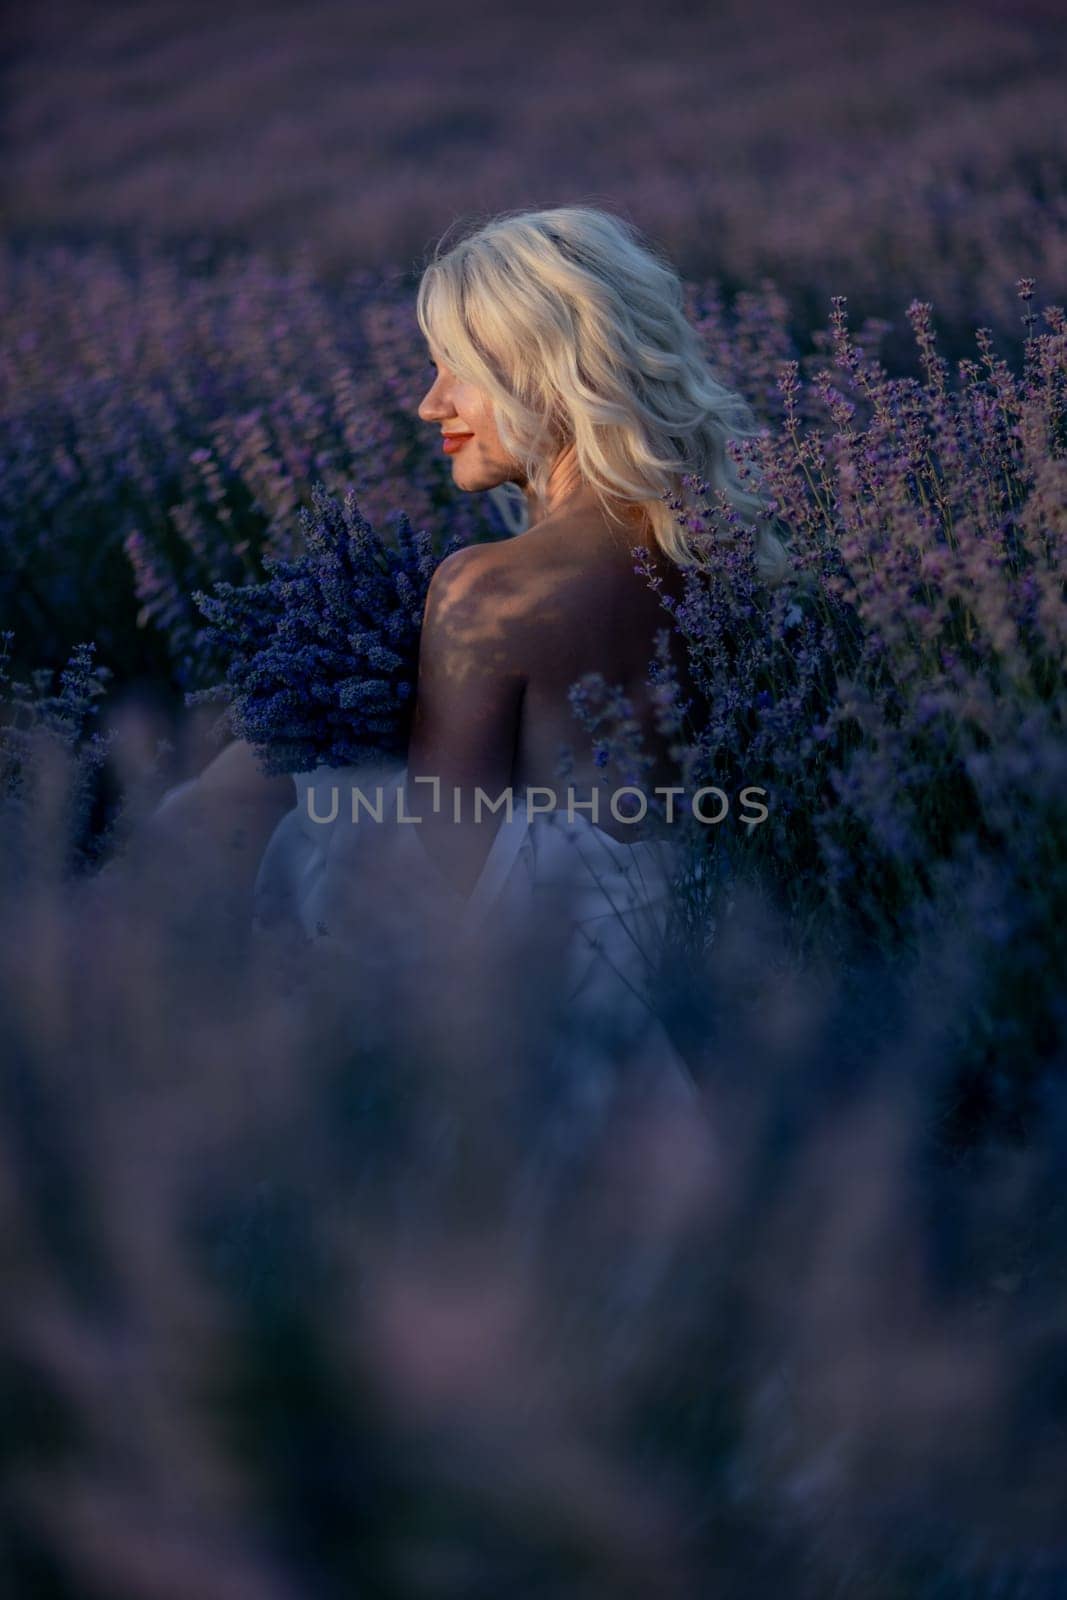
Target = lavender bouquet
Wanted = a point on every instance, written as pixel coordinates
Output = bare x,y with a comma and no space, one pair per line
323,655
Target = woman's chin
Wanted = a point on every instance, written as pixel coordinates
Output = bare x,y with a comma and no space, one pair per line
469,477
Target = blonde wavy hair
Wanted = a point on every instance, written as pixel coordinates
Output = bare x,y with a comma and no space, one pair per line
576,331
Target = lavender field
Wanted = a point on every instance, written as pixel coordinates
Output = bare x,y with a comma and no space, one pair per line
905,150
317,1281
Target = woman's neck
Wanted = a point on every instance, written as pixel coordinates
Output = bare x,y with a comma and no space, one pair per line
565,485
568,492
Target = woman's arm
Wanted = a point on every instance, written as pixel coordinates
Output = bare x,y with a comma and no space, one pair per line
467,710
224,818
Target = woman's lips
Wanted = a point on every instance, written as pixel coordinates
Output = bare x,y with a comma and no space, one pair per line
455,441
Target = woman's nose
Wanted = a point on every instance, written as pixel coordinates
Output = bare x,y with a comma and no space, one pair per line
434,404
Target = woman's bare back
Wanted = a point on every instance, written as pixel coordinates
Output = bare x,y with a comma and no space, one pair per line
578,606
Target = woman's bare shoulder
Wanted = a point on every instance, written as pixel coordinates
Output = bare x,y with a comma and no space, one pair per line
478,583
553,575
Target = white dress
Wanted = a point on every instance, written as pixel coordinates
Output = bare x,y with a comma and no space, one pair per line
316,876
323,875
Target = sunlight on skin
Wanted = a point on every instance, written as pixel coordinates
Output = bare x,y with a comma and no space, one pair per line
467,708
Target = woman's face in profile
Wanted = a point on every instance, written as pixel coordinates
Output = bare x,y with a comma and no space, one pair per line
464,414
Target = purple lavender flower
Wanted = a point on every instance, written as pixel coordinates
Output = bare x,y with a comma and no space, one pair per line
324,653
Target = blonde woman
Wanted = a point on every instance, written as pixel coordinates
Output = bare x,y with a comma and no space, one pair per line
563,367
565,380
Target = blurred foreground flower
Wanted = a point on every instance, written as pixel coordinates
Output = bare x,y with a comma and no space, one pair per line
324,1286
